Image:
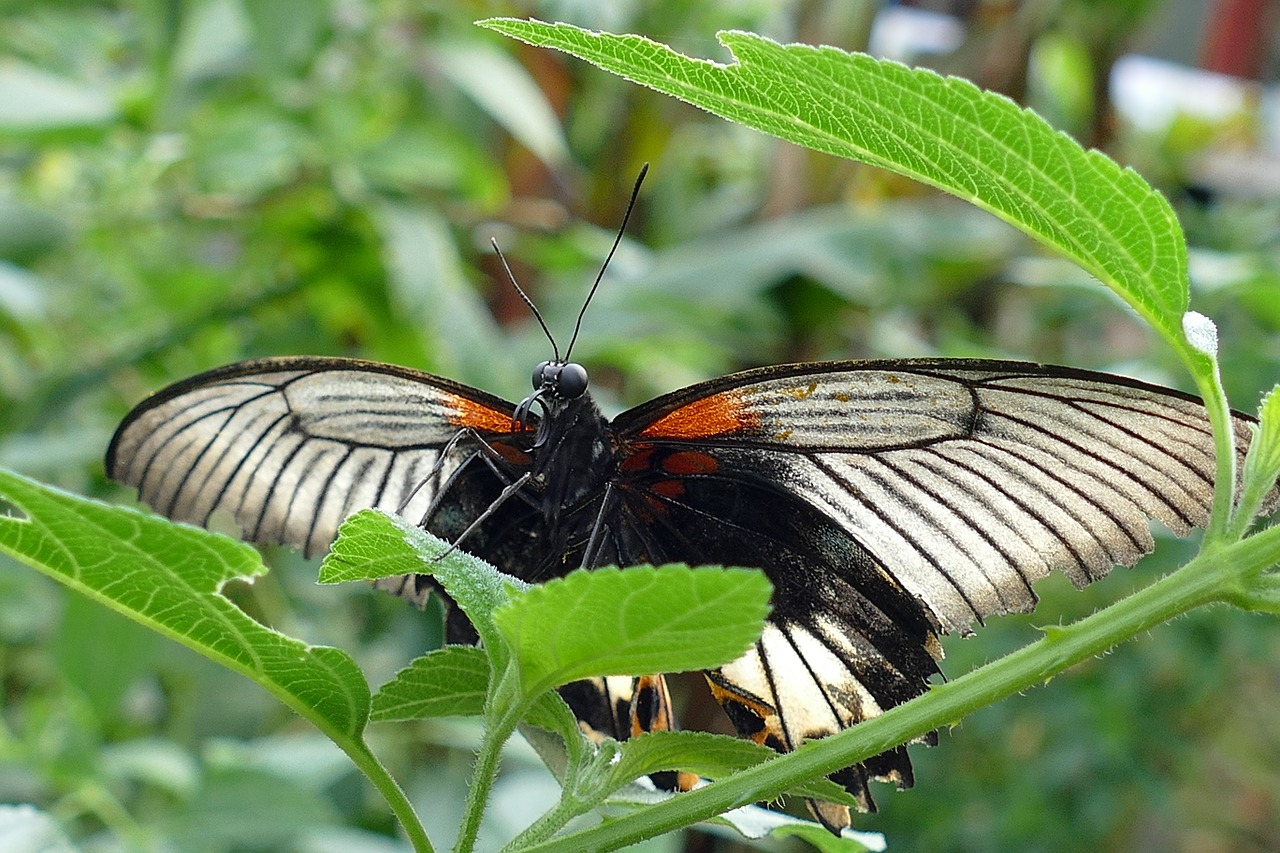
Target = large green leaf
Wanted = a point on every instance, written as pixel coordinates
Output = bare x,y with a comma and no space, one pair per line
632,622
942,131
168,576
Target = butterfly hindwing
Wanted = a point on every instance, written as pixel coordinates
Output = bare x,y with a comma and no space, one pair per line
844,640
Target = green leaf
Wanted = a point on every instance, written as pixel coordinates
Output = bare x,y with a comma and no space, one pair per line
454,682
821,839
709,755
448,682
167,577
372,544
215,40
37,101
265,811
551,713
427,278
503,88
942,131
1262,462
632,622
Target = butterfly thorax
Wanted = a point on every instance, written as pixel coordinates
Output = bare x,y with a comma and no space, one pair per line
572,455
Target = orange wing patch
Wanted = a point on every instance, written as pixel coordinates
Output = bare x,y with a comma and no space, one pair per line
717,414
690,462
651,712
479,417
755,719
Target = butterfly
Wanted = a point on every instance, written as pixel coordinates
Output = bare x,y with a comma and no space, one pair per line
887,501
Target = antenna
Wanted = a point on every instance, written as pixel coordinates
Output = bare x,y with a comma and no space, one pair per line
635,192
527,301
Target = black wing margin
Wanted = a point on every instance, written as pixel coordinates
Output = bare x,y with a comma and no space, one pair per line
289,447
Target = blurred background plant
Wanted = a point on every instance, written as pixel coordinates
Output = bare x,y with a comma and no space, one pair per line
185,184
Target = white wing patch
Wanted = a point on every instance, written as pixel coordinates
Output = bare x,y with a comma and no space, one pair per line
812,691
289,453
869,410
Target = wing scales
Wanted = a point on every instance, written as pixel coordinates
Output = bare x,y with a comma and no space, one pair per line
970,480
290,447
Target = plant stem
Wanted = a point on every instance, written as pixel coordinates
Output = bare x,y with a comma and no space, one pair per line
483,775
1206,578
391,791
501,718
551,822
99,802
1204,370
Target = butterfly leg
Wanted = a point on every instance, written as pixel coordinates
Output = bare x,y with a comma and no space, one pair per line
487,451
511,489
597,528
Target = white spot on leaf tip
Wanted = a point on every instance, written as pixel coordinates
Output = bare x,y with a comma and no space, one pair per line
1201,332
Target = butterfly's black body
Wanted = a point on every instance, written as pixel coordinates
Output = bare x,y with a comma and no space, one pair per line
887,501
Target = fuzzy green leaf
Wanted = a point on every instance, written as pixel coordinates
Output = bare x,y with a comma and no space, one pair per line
167,577
448,682
453,682
1262,462
709,755
372,544
632,622
942,131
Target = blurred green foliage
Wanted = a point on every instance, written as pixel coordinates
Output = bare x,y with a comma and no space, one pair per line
185,184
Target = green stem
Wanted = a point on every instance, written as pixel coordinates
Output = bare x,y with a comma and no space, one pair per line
1255,555
577,796
99,802
1261,596
501,718
551,822
1204,370
391,791
1208,577
483,775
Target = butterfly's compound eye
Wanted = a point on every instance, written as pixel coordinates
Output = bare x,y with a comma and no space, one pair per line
571,381
541,376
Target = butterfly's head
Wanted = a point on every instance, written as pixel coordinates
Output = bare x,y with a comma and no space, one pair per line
559,379
556,381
